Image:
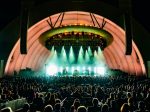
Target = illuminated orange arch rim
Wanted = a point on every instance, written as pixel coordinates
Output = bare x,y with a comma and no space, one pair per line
38,55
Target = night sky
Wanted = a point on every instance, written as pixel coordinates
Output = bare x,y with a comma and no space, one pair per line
9,9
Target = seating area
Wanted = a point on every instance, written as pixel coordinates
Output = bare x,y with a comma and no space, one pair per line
118,93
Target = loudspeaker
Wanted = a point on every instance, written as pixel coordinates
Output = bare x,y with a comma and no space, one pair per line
1,68
148,69
128,33
23,30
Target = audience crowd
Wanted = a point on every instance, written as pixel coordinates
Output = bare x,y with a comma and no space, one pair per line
122,93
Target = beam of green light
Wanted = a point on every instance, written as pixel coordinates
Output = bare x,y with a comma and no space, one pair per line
87,58
53,58
80,56
101,56
63,56
96,59
71,55
89,51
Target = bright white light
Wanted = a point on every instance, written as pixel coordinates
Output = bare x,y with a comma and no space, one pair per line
83,68
89,68
101,71
67,68
78,68
52,70
60,69
94,69
72,69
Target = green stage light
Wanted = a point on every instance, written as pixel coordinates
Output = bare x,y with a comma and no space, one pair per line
100,54
51,55
71,55
63,57
53,58
89,51
96,59
87,58
101,57
52,50
80,56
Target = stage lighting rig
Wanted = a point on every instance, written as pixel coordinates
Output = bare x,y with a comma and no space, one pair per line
76,35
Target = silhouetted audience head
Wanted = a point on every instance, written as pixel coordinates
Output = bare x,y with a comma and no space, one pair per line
105,108
57,101
48,108
76,103
81,109
95,101
128,95
52,100
48,95
141,105
111,95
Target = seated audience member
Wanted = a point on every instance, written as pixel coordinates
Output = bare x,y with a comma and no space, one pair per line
81,109
38,102
105,108
147,101
57,107
141,107
63,109
128,95
75,105
48,108
113,106
52,100
3,98
124,108
132,107
26,108
119,101
72,108
47,98
95,107
100,94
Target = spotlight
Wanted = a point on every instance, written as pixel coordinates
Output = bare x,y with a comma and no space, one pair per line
72,69
101,71
51,70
